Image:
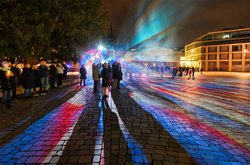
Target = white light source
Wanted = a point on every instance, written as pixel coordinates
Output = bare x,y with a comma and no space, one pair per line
226,36
101,47
245,51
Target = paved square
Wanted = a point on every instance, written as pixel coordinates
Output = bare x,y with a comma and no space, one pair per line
151,121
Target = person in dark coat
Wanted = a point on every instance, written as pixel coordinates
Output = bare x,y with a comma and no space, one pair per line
44,73
115,75
105,74
83,75
28,80
120,74
5,74
37,80
52,75
193,71
95,76
14,82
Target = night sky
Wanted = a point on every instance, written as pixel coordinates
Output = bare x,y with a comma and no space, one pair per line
189,18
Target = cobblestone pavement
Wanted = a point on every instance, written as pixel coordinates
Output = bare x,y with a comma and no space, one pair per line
156,121
208,116
22,114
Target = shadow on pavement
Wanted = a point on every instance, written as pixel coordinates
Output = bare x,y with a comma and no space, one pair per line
158,145
115,147
85,143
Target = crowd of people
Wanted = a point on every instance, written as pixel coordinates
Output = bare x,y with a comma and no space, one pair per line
30,77
147,71
41,75
111,76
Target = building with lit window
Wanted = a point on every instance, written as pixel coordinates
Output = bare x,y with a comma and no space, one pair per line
227,50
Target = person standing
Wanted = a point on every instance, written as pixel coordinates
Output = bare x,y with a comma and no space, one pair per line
5,74
105,74
115,75
189,73
83,75
65,71
60,71
95,76
193,72
37,80
162,71
44,73
201,70
28,80
52,75
14,82
120,74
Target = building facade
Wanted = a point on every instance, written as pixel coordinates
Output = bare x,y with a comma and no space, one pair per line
227,50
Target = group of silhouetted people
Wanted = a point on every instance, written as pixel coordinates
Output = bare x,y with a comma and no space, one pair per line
111,75
31,78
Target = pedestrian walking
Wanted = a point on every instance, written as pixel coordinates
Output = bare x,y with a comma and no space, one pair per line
120,74
37,80
5,74
44,73
201,70
189,73
173,72
162,71
28,80
95,76
193,71
52,75
60,71
105,74
83,75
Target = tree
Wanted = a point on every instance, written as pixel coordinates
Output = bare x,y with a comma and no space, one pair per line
31,29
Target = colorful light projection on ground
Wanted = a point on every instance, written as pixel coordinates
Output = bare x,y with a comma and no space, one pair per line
210,133
46,137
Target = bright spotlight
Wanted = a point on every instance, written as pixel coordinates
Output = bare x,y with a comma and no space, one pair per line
101,48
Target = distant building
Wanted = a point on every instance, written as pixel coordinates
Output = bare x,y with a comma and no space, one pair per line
157,56
226,50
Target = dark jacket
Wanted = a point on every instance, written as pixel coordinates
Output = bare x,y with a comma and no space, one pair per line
120,73
52,70
14,78
37,78
5,81
28,78
44,71
83,73
115,72
105,77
